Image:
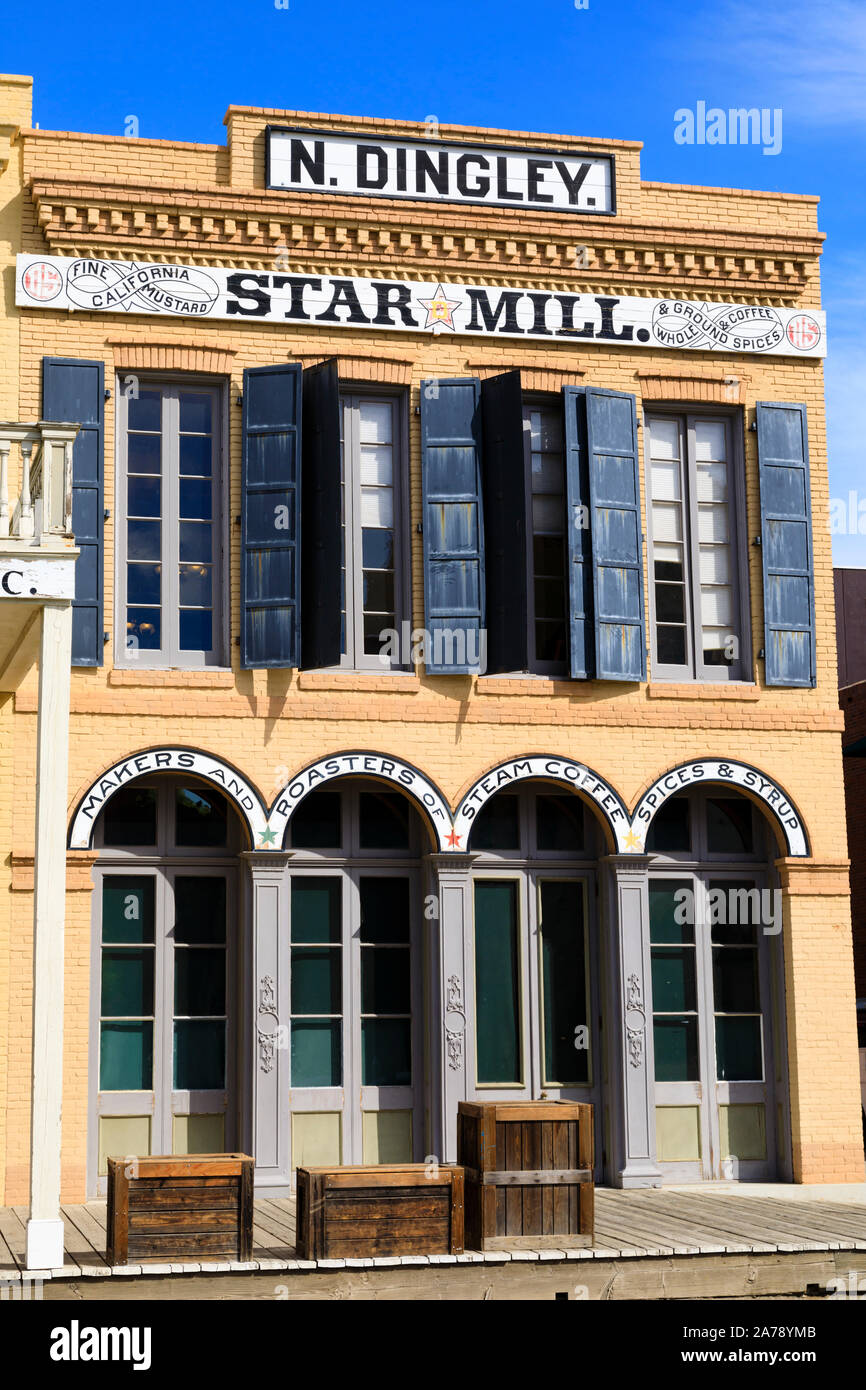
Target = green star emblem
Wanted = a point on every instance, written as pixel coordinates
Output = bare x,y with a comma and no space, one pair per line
268,837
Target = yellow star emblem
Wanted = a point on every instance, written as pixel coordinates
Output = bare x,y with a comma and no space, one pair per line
440,309
633,841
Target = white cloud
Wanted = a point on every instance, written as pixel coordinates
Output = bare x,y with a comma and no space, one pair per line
810,55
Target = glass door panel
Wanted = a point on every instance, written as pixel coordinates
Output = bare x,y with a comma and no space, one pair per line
198,933
497,984
565,999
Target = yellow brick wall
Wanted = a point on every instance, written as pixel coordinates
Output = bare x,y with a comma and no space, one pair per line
271,724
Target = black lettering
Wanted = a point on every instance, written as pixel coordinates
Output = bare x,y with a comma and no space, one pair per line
481,304
425,169
386,305
401,170
237,285
568,330
534,177
607,330
365,180
539,305
502,189
314,164
481,186
344,295
297,284
573,183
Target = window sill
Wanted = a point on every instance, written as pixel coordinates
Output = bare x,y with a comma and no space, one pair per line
729,690
203,678
358,680
523,683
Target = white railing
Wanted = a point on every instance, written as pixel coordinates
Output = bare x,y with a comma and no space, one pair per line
36,463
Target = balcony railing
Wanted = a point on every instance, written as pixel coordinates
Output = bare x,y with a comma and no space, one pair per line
36,463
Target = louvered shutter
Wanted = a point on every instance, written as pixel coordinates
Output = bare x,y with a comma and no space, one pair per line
453,524
270,516
73,391
505,523
578,535
617,552
786,544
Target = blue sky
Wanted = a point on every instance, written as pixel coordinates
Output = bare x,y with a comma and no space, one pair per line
616,68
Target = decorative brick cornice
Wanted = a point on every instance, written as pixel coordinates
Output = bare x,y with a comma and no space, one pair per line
705,386
811,878
79,876
386,371
532,378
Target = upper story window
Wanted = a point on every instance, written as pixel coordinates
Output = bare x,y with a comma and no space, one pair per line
697,607
373,511
547,598
170,580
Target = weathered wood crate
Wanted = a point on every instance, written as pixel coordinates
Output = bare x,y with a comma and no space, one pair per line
528,1171
389,1209
168,1208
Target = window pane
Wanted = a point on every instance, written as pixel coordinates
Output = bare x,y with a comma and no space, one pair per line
143,584
559,823
729,826
144,411
316,983
712,522
377,507
201,818
143,540
383,820
497,983
144,453
385,980
712,482
199,1055
143,629
665,480
377,549
316,822
549,598
670,603
130,819
126,1056
715,564
738,1049
143,496
710,440
671,899
377,465
316,1052
386,1052
127,909
375,624
196,498
669,830
497,825
127,981
717,605
550,641
664,438
384,909
199,981
379,591
667,518
375,422
196,585
735,980
676,1049
671,646
548,514
563,963
673,976
199,909
196,453
196,541
195,411
195,630
316,910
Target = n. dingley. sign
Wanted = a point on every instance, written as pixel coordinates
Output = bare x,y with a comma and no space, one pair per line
412,306
312,161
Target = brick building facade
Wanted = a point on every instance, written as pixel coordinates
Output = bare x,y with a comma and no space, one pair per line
472,891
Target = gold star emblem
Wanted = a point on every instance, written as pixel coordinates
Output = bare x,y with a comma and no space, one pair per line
440,309
633,841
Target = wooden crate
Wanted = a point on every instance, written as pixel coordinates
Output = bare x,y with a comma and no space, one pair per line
528,1167
389,1209
198,1207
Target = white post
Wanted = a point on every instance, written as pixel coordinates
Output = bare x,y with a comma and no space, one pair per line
5,446
45,1225
25,518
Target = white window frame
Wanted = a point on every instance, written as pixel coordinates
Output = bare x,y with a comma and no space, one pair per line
537,667
169,656
351,398
695,669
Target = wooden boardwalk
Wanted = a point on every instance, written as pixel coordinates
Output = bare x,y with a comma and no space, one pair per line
653,1224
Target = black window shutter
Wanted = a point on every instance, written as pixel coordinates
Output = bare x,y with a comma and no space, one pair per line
453,523
578,535
322,547
504,484
73,391
270,516
614,490
786,544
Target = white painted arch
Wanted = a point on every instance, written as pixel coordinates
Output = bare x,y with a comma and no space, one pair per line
726,772
363,763
189,760
549,768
